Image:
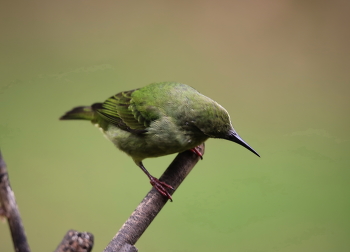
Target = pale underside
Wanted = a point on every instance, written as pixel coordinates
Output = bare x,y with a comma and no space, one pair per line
162,138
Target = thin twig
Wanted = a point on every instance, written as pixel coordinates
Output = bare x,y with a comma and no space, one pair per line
151,205
10,210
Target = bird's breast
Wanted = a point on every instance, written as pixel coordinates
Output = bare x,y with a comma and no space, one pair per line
163,137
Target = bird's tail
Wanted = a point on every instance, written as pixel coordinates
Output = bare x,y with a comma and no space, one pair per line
81,113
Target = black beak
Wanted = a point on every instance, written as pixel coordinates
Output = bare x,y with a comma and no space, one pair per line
234,137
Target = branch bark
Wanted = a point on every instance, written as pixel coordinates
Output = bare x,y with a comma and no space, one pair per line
75,241
151,205
129,233
10,210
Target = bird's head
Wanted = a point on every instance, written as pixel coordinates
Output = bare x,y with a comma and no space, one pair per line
218,125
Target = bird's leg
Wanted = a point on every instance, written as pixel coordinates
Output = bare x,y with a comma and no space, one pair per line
159,185
195,151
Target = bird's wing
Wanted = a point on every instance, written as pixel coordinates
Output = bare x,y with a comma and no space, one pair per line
119,111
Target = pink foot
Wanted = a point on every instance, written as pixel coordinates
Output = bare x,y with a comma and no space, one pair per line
195,151
160,186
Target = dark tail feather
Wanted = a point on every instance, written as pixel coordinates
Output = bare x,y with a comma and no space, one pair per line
79,113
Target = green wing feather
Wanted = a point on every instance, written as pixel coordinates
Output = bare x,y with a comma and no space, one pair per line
120,111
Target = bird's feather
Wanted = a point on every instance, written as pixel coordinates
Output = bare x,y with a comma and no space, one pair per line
119,111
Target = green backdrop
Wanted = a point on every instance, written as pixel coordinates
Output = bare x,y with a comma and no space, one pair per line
280,68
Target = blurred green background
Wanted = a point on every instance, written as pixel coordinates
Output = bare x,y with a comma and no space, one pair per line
281,69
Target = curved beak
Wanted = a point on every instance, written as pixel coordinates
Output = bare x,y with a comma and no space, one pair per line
234,137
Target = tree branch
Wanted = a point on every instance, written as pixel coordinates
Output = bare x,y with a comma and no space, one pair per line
151,205
10,210
129,233
75,241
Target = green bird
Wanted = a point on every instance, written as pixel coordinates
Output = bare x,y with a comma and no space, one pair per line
157,120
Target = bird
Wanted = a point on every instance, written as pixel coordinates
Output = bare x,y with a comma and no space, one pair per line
159,119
